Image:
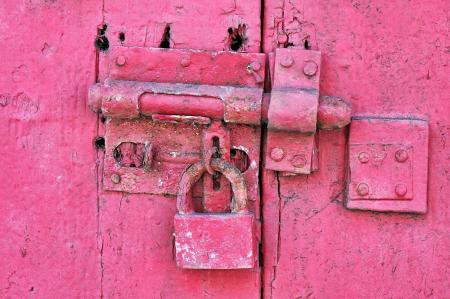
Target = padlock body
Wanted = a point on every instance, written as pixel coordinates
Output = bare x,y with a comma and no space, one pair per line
215,241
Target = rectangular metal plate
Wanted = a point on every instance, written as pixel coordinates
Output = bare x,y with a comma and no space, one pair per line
388,163
292,114
215,241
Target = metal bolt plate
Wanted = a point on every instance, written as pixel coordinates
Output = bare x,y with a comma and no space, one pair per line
388,161
381,173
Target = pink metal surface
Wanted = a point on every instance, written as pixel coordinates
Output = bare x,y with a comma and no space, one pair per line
292,114
388,164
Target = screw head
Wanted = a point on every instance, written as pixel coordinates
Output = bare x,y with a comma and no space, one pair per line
362,189
277,154
185,62
121,60
400,190
282,39
115,178
310,68
401,155
287,61
299,161
363,157
254,66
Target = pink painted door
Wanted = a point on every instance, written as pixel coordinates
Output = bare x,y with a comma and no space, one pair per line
91,204
372,220
137,203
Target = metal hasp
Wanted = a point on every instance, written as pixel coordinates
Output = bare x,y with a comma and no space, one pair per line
295,111
167,103
388,164
175,117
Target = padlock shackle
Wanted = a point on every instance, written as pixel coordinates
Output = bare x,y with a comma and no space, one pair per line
195,171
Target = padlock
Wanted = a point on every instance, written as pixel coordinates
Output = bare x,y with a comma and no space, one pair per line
214,240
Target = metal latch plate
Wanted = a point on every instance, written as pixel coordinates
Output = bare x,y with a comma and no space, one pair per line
388,161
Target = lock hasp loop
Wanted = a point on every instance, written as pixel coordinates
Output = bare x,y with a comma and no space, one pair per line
195,171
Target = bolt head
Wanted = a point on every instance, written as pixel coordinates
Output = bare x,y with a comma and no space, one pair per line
400,190
401,155
254,66
121,60
287,61
362,189
363,157
115,178
185,62
310,68
282,39
299,161
277,154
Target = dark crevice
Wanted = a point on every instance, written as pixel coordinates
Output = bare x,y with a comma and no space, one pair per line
121,37
306,45
165,41
101,41
99,143
237,37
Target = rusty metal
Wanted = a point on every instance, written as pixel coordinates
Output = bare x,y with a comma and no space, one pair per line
193,174
216,188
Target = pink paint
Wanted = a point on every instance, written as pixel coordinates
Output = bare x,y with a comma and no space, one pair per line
85,217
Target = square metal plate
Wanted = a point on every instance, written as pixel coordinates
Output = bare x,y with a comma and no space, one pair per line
388,164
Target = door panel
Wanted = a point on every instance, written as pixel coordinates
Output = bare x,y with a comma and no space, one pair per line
138,258
386,58
48,192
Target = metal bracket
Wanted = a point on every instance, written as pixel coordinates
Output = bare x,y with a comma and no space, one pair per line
388,163
292,115
171,99
296,110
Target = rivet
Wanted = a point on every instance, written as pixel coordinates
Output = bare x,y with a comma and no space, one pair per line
185,62
282,39
287,61
310,68
254,66
277,154
115,178
299,161
401,155
363,157
400,190
121,60
362,189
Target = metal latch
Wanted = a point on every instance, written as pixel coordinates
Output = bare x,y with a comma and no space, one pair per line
294,113
173,108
